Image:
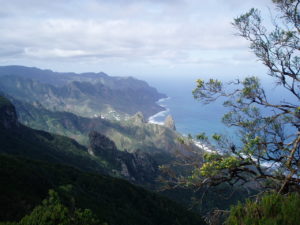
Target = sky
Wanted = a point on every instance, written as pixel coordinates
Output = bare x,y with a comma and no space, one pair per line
128,37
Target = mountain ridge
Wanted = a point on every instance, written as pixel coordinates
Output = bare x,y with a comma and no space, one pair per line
130,135
86,94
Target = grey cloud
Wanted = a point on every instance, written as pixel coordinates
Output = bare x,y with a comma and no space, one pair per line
11,51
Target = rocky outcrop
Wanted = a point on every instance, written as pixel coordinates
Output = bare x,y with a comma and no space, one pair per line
8,115
100,144
138,167
138,118
169,122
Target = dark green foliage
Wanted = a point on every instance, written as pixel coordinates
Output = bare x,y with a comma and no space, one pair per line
40,145
52,211
206,200
272,209
24,183
20,140
4,102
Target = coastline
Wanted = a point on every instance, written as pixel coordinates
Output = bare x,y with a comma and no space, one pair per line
152,119
204,147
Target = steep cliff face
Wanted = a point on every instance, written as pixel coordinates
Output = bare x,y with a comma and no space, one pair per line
8,115
142,166
138,167
100,143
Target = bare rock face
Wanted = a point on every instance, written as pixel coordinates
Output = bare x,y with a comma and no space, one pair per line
138,118
170,123
138,167
8,115
125,171
141,167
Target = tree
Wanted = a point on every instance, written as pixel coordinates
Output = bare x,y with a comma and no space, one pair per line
269,130
53,212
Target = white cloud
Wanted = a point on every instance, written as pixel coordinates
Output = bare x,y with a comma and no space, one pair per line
45,53
139,32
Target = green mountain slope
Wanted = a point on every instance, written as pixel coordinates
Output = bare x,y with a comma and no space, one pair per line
20,140
130,135
101,156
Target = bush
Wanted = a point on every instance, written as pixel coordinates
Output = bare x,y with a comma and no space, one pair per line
53,212
271,209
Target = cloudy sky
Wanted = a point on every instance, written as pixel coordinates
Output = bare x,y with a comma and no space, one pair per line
127,37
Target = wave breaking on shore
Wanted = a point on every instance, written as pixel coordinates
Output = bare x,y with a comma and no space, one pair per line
162,114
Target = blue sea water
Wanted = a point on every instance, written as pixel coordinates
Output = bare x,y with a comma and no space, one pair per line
192,116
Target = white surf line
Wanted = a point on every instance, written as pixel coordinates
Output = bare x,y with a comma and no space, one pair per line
152,119
209,149
204,147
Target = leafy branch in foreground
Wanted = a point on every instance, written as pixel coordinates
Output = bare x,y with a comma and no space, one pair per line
268,152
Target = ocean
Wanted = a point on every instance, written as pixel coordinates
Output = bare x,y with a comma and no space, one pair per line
193,117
